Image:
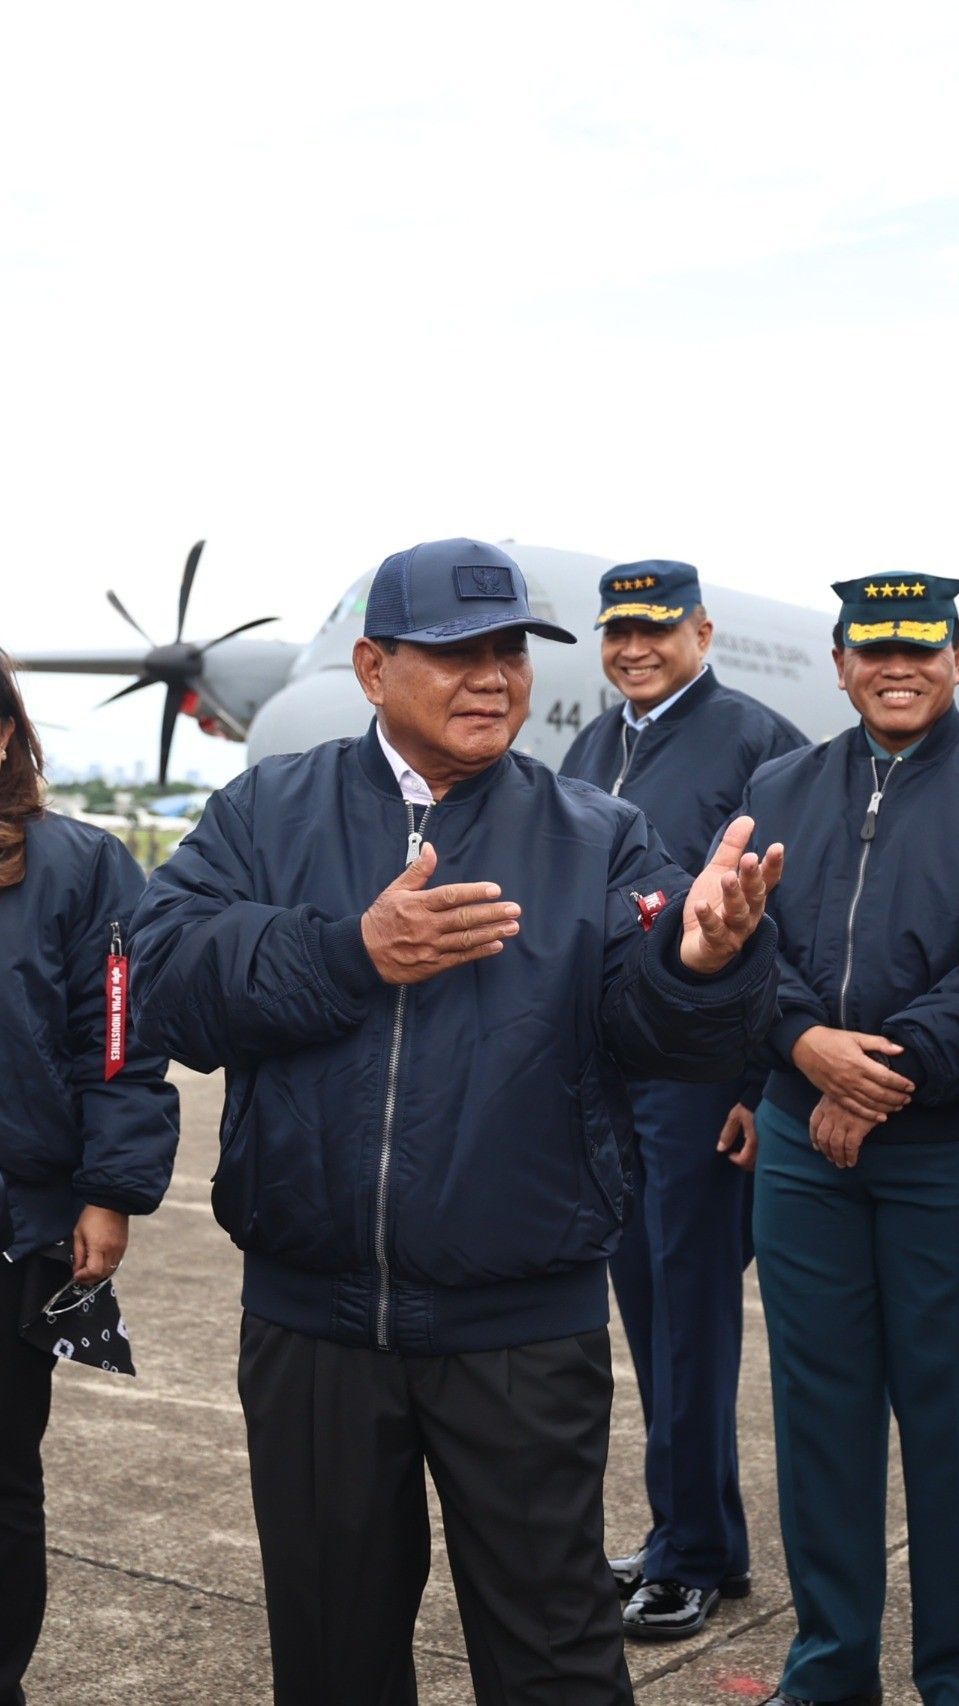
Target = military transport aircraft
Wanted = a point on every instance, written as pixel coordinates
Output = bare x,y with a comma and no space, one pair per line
282,697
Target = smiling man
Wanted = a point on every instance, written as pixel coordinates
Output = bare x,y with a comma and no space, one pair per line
424,962
682,747
857,1183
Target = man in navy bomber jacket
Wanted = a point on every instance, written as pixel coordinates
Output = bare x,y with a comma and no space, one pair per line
681,746
425,1135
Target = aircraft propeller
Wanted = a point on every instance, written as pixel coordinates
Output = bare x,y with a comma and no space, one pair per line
179,665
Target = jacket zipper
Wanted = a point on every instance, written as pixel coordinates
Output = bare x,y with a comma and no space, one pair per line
413,844
627,760
866,835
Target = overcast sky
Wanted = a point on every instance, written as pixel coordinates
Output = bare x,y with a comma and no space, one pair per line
315,282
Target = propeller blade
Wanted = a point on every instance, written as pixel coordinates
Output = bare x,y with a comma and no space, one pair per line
122,610
171,706
186,584
134,687
242,629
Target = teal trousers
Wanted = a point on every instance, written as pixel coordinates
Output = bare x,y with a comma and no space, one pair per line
859,1271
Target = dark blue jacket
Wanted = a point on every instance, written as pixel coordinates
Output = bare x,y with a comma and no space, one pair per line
66,1137
688,770
869,929
435,1168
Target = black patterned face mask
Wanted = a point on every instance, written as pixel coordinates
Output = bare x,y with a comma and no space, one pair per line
77,1322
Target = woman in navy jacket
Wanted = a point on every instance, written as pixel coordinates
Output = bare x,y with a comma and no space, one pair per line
857,1183
78,1154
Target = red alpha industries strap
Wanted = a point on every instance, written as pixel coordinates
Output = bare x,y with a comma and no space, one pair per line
117,981
648,906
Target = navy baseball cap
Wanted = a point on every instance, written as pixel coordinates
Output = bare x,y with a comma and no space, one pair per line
655,591
918,609
439,591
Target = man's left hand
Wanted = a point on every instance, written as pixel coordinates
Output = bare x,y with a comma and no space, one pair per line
99,1241
838,1134
727,900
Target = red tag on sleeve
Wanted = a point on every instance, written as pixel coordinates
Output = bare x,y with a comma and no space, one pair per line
649,907
116,1052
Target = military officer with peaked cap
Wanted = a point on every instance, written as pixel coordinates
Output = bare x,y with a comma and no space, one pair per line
857,1185
422,1140
682,746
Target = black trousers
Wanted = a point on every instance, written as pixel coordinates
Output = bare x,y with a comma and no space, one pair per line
516,1442
25,1383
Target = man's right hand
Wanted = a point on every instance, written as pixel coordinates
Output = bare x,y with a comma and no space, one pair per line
838,1063
411,932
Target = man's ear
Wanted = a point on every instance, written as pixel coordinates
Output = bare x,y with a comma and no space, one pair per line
368,662
839,659
704,635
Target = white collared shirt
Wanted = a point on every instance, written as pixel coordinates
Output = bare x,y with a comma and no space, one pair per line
411,785
634,721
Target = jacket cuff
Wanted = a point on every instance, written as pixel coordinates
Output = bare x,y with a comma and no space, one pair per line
786,1032
119,1202
909,1063
345,959
752,1088
745,971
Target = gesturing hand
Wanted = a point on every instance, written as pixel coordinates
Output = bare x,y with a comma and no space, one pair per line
838,1134
838,1064
412,932
727,900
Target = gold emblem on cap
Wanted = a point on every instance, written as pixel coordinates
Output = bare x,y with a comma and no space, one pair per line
872,591
864,633
648,612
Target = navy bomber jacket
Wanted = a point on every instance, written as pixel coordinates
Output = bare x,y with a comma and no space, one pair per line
439,1167
687,771
868,925
66,1136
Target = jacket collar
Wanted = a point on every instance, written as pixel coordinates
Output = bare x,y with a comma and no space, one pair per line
699,690
377,771
942,737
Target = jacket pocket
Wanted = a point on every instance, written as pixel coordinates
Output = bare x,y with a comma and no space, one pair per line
605,1138
235,1181
39,1116
270,1190
47,1053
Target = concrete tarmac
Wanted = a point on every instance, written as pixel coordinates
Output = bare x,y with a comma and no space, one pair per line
155,1587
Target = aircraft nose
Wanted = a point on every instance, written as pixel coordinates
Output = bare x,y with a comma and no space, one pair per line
326,705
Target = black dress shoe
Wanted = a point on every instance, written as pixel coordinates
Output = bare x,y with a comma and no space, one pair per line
629,1574
781,1699
668,1611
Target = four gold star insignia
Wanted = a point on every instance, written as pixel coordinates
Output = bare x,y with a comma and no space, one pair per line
640,584
896,589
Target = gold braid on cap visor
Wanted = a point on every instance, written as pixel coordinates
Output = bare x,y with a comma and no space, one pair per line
648,612
929,633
